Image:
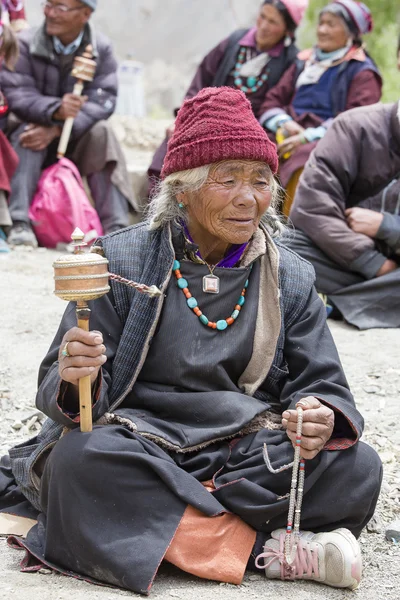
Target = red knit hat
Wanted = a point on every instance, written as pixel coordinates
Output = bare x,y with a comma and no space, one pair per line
217,124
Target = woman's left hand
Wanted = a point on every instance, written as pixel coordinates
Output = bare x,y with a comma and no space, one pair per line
318,423
290,144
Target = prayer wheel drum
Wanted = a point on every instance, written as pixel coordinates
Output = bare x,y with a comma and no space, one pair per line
81,277
84,67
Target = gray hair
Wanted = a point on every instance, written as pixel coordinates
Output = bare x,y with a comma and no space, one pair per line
164,207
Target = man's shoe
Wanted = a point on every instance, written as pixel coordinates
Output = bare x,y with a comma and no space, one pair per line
332,558
21,234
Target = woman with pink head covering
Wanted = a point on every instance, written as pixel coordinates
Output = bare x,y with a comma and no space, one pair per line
16,14
334,76
251,60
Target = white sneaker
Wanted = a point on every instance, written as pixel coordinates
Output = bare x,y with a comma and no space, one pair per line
332,558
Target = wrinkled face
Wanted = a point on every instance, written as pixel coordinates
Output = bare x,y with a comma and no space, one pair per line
61,23
332,32
229,206
271,27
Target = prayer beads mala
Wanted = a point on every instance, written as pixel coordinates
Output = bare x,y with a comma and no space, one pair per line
193,305
253,83
296,495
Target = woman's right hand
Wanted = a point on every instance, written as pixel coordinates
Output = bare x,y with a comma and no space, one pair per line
81,353
291,128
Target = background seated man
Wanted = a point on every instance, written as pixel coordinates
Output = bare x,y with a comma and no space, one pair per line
39,94
346,215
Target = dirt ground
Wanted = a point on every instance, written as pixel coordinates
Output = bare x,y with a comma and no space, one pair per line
29,314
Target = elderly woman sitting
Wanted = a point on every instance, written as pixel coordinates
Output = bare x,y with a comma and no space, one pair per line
195,392
334,76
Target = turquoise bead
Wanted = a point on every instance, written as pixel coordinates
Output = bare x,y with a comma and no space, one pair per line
264,77
192,302
254,89
251,81
245,89
182,283
241,300
238,82
235,314
176,266
246,285
203,319
221,325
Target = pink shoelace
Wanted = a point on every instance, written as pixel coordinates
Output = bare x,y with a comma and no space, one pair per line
305,564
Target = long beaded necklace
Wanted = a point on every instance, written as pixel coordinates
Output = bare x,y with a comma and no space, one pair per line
253,83
193,305
296,497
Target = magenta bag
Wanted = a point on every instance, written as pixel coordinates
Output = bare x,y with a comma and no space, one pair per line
60,205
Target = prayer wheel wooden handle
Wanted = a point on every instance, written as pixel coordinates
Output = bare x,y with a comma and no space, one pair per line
68,124
85,384
80,278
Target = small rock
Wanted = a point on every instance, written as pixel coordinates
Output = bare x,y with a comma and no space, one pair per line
385,487
31,423
44,571
372,389
387,457
380,441
17,425
375,524
28,415
393,531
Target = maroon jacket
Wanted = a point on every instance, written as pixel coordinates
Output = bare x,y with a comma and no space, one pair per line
357,163
35,88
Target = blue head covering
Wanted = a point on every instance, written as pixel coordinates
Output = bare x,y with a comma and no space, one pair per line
90,3
356,15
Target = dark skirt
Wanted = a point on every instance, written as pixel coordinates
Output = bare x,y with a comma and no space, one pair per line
366,304
113,501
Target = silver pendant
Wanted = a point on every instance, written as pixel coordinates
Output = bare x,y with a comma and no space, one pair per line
211,284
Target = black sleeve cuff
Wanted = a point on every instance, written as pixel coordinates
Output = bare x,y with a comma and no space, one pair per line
368,264
389,231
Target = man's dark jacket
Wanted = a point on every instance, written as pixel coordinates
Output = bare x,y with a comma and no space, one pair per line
357,163
41,77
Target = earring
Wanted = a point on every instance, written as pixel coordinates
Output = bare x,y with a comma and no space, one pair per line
288,41
181,205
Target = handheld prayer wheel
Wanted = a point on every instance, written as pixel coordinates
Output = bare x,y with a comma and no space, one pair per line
84,69
81,277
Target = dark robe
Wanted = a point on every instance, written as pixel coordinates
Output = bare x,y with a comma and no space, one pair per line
114,502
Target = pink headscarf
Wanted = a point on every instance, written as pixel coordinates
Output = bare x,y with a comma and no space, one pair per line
296,9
